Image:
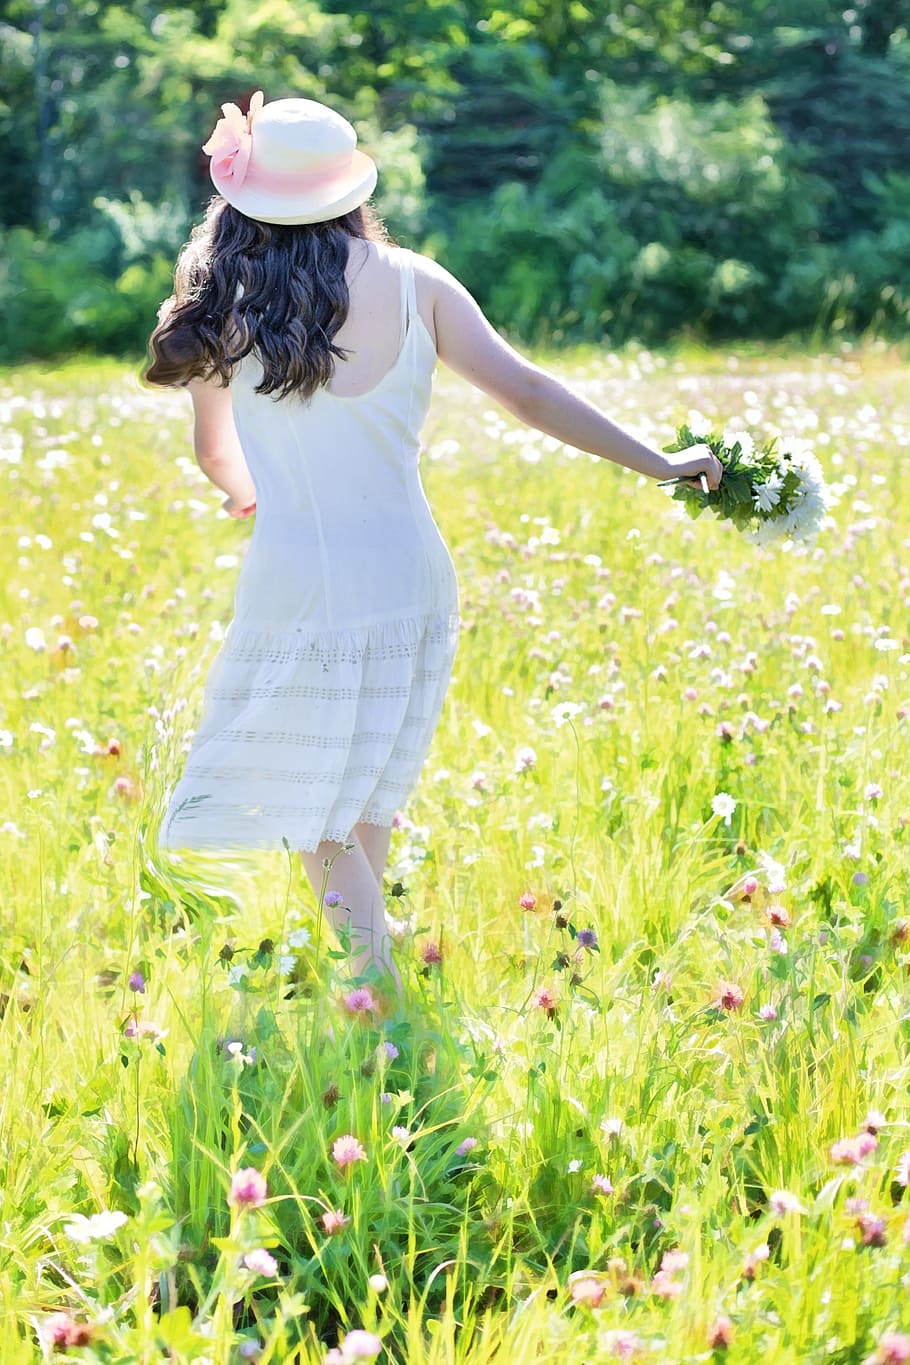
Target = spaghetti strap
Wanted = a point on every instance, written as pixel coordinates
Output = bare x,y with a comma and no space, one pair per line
406,278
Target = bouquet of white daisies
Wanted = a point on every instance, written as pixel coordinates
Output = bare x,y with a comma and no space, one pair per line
770,494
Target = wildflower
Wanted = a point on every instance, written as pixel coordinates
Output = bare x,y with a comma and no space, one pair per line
249,1349
723,805
720,1333
96,1228
767,1012
136,982
431,954
612,1127
360,1345
874,1120
873,1228
588,1291
565,711
902,1169
527,901
781,1202
851,1151
261,1262
587,938
346,1150
378,1283
674,1260
872,791
545,1000
143,1028
573,1166
749,887
601,1184
360,1001
333,898
754,1259
334,1220
248,1188
621,1343
391,1051
299,938
664,1285
401,1135
777,943
525,759
893,1349
778,915
467,1146
729,996
59,1329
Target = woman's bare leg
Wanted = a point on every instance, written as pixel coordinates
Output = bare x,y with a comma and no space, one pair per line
374,840
362,909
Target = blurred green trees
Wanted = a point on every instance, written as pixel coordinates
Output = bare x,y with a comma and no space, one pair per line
591,168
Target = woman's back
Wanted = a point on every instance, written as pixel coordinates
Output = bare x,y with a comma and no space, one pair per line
344,536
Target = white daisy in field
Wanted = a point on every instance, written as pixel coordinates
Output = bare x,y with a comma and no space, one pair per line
723,805
96,1228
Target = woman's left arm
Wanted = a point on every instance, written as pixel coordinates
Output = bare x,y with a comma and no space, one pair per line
219,453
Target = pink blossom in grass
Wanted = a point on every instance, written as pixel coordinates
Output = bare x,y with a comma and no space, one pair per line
720,1333
782,1202
621,1343
248,1188
333,1220
767,1012
729,996
749,887
601,1184
754,1260
852,1151
902,1169
360,1345
431,954
893,1349
779,915
346,1150
674,1260
361,1000
873,1229
874,1120
588,1291
59,1329
545,999
136,983
664,1285
261,1262
467,1146
527,901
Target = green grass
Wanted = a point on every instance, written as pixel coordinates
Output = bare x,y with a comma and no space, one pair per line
695,664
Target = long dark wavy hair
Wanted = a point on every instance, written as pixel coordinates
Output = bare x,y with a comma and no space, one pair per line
294,300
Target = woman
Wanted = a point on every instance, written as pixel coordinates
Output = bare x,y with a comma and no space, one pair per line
308,343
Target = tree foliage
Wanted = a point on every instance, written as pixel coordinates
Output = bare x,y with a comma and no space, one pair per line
593,168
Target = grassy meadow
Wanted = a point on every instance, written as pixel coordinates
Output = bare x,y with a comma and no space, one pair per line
647,1093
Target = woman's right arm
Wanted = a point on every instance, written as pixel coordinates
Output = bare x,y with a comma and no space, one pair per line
467,343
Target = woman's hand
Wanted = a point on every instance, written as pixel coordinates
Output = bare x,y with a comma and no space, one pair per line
233,510
686,465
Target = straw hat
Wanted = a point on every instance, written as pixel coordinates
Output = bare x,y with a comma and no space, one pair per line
291,161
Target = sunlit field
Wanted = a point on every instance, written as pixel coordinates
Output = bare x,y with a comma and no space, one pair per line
647,1093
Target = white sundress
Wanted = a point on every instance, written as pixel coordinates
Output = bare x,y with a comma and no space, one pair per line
319,708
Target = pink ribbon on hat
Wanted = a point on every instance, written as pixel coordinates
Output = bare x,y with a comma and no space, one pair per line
232,139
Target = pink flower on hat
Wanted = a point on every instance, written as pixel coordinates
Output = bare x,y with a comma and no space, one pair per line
232,140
